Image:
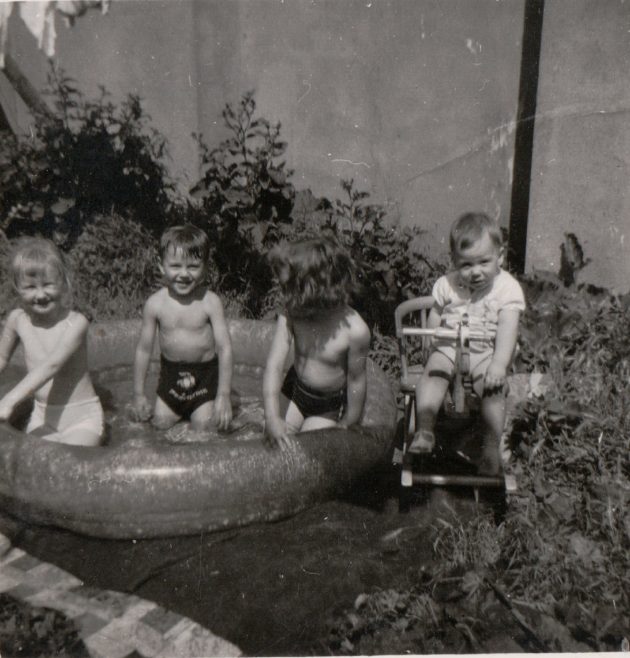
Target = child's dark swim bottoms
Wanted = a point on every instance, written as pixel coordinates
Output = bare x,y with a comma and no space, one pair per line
310,401
186,386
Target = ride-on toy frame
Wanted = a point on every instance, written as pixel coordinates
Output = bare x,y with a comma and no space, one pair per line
411,321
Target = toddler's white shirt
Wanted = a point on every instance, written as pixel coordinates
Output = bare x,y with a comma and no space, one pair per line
482,306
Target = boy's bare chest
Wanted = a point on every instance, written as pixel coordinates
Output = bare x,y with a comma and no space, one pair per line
192,318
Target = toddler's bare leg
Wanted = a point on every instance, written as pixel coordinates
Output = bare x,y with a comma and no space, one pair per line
201,418
430,394
493,417
163,416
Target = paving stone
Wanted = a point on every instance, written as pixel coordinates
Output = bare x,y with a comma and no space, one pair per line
7,581
10,556
67,602
111,624
25,562
99,603
140,608
147,640
89,624
106,646
22,591
48,575
197,641
161,620
182,626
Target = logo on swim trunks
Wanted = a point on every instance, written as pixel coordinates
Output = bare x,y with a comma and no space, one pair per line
186,381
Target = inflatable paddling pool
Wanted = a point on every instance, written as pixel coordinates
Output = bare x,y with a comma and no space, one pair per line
156,489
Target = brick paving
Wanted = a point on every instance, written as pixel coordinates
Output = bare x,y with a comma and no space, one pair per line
111,624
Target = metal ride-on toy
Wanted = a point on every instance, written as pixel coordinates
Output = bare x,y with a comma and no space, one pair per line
445,466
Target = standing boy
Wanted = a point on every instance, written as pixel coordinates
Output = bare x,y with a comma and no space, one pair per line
195,348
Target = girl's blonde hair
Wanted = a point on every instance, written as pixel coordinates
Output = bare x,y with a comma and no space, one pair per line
314,274
35,255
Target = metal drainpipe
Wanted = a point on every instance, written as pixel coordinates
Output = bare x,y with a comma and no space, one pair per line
524,138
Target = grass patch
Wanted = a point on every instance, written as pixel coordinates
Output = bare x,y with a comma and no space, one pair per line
554,575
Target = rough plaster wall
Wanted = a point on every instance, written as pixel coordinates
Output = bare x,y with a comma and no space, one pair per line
414,99
581,164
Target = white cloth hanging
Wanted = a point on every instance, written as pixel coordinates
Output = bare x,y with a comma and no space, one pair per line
40,20
5,12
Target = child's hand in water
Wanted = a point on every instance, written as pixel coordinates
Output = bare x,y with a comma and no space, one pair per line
277,434
140,410
222,413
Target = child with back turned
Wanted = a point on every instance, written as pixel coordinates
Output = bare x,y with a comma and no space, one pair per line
195,347
326,385
493,300
54,337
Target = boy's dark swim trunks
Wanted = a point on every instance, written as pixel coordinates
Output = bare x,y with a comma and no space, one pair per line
309,401
186,386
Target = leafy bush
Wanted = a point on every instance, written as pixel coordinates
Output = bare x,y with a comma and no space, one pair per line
389,257
86,158
114,265
35,631
248,205
246,200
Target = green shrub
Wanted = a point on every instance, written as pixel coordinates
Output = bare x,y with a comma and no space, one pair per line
391,263
84,158
246,200
114,264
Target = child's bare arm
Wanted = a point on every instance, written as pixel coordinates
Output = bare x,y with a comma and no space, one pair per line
141,406
71,341
275,427
9,339
223,346
435,316
357,375
505,344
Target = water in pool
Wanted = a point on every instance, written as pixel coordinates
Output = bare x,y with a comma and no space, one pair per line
115,389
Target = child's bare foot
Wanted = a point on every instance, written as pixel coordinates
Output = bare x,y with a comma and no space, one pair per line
423,441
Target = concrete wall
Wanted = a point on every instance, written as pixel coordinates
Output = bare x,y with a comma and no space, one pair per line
414,99
581,165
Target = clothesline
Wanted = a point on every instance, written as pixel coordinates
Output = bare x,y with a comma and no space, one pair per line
39,18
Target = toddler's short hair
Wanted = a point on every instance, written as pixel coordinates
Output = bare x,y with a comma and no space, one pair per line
187,237
34,255
315,274
469,228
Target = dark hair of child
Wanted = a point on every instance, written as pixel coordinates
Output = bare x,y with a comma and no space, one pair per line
192,241
315,275
469,228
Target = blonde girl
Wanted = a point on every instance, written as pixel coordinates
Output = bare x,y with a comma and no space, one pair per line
54,338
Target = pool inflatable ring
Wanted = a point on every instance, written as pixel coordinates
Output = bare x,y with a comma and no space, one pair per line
160,490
